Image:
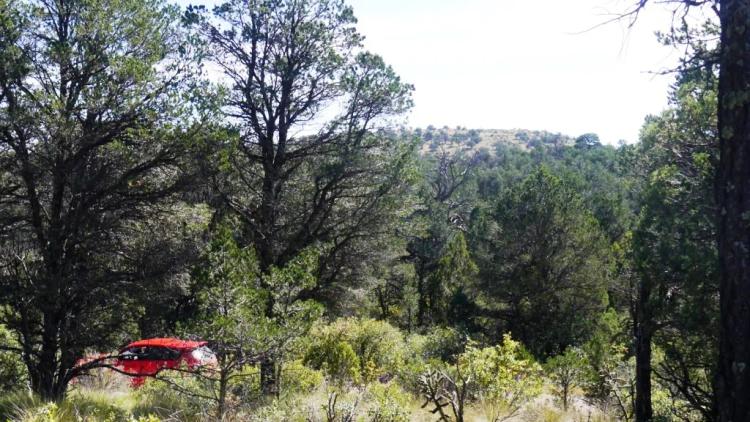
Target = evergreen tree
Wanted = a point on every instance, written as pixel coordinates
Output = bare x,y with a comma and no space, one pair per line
544,264
232,303
674,251
93,125
293,184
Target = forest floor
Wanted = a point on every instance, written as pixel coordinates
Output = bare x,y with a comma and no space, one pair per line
108,397
117,402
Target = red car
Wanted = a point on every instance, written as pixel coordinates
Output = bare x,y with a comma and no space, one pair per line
145,358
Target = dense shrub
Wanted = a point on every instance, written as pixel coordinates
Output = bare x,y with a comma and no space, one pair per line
78,406
297,378
168,399
357,349
389,403
444,343
12,370
415,363
335,357
499,379
506,376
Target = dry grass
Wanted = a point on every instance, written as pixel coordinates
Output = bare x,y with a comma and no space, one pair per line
108,399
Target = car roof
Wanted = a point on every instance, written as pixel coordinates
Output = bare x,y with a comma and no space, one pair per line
172,343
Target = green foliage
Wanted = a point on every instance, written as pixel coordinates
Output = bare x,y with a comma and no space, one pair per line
435,239
588,140
506,376
358,349
291,192
116,160
334,357
674,251
388,403
544,263
167,399
297,378
608,377
565,371
501,379
233,298
80,406
379,346
602,351
444,343
455,273
13,375
102,85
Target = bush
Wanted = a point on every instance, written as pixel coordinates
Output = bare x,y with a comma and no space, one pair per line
96,406
356,349
444,343
378,345
12,405
12,370
165,399
47,412
506,376
565,372
334,357
297,378
389,403
415,362
286,409
501,379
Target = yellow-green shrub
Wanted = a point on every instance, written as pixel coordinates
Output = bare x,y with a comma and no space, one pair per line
505,376
298,378
388,403
357,349
334,357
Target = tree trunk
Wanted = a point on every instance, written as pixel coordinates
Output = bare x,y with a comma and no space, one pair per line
223,383
269,383
421,301
46,385
643,333
643,409
733,196
45,379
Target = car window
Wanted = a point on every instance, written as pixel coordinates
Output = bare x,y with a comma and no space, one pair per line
150,353
163,353
203,353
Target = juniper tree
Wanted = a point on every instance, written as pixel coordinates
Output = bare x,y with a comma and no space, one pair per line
92,120
308,163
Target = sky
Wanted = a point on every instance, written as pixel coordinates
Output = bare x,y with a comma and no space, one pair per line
507,64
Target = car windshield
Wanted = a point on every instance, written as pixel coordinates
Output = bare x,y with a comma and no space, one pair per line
203,353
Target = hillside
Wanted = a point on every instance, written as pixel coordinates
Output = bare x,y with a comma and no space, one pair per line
488,139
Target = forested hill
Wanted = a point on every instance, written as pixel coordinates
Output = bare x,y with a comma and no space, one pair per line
488,161
476,139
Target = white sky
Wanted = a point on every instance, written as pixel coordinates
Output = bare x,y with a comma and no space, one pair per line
522,64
